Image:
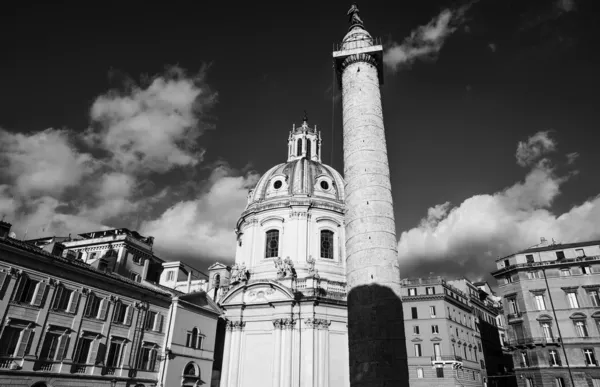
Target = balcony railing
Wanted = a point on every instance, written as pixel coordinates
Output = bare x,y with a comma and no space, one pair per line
512,316
444,358
532,341
547,263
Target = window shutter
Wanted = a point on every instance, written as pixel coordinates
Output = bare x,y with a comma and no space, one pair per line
61,353
78,346
74,300
116,309
103,309
3,277
93,352
88,307
152,360
57,294
158,321
26,337
40,290
128,315
22,280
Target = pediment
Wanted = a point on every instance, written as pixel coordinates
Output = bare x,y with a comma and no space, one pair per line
578,316
436,338
416,340
596,315
262,292
544,317
217,266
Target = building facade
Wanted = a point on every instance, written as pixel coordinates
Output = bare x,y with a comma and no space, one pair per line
445,324
552,305
67,323
284,299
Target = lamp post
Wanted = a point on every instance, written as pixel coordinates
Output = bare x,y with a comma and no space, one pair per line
113,383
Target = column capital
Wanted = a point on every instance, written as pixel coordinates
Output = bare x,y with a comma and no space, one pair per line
235,325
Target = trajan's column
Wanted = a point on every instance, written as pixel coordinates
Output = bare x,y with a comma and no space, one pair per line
375,319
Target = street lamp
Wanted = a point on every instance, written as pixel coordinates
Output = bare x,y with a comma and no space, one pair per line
113,383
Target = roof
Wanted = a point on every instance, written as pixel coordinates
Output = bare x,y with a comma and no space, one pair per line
80,265
559,246
299,177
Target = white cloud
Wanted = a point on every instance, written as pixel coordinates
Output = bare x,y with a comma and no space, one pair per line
45,162
565,5
425,41
50,186
465,239
571,157
535,147
204,227
154,128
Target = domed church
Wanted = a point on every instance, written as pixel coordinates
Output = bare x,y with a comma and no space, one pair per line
284,299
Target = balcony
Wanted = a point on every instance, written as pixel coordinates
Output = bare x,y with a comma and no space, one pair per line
514,316
446,359
531,342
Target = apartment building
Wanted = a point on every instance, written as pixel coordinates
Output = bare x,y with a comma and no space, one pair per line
443,342
551,299
64,322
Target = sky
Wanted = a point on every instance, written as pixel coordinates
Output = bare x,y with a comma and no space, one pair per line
160,118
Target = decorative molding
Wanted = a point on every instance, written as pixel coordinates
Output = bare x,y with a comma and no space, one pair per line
235,325
537,291
417,340
317,323
569,288
355,58
591,287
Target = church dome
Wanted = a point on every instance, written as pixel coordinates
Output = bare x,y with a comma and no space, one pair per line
299,177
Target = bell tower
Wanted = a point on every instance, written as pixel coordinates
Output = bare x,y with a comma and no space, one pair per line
304,141
375,319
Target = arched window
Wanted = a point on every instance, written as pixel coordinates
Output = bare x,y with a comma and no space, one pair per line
272,244
194,339
189,370
299,147
326,244
308,146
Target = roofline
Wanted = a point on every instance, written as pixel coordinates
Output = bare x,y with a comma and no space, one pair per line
31,249
555,246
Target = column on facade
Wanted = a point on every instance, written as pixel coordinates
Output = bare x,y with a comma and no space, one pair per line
226,356
296,355
276,353
323,352
307,356
286,375
236,353
302,221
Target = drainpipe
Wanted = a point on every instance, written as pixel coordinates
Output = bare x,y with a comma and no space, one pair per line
557,324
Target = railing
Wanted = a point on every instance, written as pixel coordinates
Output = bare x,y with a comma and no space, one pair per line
6,362
301,284
110,370
344,45
423,281
336,287
512,316
46,366
446,358
79,368
531,341
548,263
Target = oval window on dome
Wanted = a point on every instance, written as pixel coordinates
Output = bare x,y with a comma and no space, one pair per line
324,185
277,184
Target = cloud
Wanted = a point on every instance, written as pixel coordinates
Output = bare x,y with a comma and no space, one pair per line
204,227
56,182
42,162
156,128
571,157
467,238
426,41
565,5
536,146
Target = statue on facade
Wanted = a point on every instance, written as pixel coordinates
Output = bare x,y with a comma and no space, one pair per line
353,15
284,267
239,273
311,266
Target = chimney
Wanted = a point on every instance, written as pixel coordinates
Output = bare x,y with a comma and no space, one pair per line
4,229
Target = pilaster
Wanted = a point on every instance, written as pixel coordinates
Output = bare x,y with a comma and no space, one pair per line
226,355
277,332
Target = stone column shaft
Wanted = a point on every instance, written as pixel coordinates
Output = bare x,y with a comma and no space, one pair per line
226,358
276,354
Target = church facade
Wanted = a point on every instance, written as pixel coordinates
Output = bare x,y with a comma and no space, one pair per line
284,299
